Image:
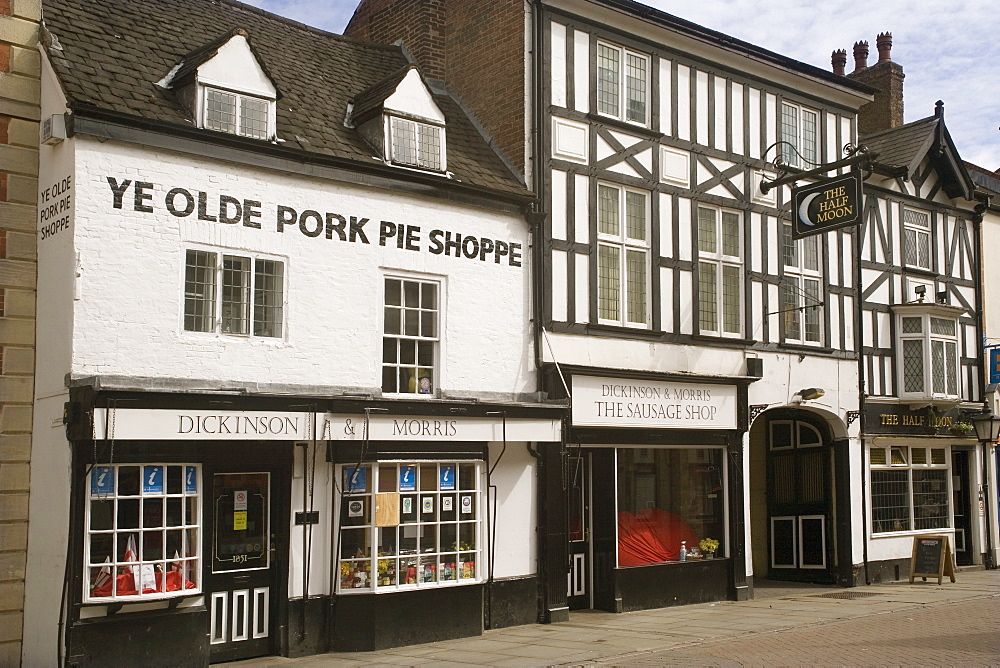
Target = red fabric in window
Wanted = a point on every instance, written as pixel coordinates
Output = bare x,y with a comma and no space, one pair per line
652,536
126,585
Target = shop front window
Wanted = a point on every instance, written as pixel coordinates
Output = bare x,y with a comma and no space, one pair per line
143,533
409,525
909,488
668,497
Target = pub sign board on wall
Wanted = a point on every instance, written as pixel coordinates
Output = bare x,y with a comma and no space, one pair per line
826,205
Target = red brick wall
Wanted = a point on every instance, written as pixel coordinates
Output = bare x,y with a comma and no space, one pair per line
476,46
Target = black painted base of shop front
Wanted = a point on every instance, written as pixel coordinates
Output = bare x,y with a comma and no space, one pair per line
369,622
305,637
661,586
168,638
512,602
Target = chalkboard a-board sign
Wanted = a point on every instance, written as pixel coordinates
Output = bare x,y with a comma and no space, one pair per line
931,558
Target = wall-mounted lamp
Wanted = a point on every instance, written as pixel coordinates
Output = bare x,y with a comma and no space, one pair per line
920,291
811,393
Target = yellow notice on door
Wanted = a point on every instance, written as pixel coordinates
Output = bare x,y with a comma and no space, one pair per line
240,520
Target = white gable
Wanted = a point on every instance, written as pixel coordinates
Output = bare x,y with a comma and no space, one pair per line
411,97
236,68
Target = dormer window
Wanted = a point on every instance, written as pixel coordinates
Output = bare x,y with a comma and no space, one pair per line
226,87
416,144
237,114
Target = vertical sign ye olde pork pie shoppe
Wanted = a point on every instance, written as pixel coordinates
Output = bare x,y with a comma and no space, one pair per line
826,205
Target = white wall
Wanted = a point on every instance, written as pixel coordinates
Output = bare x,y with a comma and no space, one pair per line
515,518
129,315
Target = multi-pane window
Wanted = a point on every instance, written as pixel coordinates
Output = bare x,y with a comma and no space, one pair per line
928,355
412,332
720,272
909,488
143,531
236,113
622,255
410,525
622,75
916,239
799,132
416,144
801,298
233,294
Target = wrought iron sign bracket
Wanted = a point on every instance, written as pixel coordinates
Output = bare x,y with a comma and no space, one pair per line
856,156
852,416
757,409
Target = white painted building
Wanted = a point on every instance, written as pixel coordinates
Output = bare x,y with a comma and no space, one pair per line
286,373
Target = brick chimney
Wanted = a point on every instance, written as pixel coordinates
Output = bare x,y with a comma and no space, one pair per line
476,46
839,61
886,111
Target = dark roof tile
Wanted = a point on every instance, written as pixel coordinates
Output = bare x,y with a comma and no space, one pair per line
113,54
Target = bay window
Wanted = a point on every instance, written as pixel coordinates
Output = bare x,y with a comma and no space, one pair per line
409,525
622,255
143,532
928,353
909,488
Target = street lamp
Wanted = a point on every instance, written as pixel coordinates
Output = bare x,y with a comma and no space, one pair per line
987,427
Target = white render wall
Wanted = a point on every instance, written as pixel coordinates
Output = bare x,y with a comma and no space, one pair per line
128,317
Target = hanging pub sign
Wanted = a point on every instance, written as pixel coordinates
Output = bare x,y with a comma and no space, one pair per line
826,205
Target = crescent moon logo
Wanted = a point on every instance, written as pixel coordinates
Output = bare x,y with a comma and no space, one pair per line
804,209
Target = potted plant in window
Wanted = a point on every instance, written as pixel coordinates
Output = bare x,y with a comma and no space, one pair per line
708,546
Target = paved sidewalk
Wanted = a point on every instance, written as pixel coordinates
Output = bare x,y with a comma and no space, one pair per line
886,624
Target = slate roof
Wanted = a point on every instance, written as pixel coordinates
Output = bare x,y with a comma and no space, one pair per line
109,55
907,145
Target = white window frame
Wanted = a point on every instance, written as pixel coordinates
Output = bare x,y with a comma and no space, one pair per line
237,126
393,123
627,246
801,292
917,239
721,261
433,341
188,562
621,109
799,135
934,351
902,458
435,565
252,309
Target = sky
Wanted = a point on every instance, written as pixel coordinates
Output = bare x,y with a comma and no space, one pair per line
949,49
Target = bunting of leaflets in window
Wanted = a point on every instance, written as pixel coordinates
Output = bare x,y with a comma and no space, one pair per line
407,525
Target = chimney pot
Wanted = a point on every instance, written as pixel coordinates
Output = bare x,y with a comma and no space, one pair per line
839,60
884,45
860,55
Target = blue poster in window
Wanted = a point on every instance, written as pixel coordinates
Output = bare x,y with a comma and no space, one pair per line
102,481
407,478
447,477
152,480
356,479
190,479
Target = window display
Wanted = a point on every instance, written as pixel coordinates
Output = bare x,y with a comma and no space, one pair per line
409,524
909,488
668,497
143,531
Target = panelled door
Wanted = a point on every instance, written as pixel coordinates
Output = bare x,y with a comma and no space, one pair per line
579,586
799,502
241,572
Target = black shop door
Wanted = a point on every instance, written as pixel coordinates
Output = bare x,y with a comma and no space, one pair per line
242,573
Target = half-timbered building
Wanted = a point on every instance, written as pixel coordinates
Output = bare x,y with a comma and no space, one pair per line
710,357
920,331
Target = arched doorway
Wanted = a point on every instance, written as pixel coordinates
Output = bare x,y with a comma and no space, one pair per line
793,497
